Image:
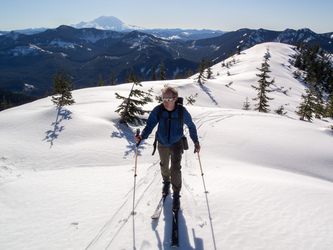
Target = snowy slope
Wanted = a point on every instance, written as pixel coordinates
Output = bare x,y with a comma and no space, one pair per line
66,177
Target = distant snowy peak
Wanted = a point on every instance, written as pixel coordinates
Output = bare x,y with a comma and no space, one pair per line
107,23
113,23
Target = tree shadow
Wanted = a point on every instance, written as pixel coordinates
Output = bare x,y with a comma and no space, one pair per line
209,93
128,134
51,135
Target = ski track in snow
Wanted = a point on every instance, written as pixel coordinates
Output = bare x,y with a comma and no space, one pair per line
119,226
106,237
269,177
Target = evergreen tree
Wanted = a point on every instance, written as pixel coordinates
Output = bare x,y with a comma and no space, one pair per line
239,48
209,70
153,74
162,72
223,64
201,77
5,104
319,108
189,73
130,77
329,106
191,99
262,105
9,99
129,110
112,78
63,88
101,82
179,76
316,65
307,107
246,104
280,110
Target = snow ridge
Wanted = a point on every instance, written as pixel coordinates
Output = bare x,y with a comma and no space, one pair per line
66,176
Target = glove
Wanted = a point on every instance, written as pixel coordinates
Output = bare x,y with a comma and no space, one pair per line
196,147
137,138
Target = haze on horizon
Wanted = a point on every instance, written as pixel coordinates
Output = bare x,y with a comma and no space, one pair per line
188,14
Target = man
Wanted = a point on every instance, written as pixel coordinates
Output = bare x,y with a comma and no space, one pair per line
169,137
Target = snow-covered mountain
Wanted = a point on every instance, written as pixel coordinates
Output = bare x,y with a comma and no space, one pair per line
30,31
107,23
113,23
66,176
34,59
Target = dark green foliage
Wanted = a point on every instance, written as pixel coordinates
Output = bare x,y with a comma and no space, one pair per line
188,73
101,82
316,69
317,65
329,106
162,72
246,104
129,110
63,88
5,104
262,105
112,78
191,99
307,107
209,70
201,77
280,111
10,99
239,47
153,76
319,108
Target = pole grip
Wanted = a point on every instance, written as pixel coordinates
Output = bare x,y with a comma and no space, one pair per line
137,134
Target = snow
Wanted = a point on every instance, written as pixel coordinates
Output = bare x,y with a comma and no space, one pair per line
107,23
25,50
66,176
59,43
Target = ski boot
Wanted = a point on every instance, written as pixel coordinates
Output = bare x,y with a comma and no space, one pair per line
176,202
166,187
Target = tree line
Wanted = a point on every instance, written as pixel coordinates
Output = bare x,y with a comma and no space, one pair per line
11,99
315,69
157,74
317,76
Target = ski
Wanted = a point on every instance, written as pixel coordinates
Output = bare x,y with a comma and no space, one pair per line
174,239
159,207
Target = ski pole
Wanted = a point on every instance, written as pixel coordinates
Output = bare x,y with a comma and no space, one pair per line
202,174
136,160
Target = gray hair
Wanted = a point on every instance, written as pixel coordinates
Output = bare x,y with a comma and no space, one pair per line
174,91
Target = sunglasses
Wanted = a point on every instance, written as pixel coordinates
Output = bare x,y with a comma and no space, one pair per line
168,99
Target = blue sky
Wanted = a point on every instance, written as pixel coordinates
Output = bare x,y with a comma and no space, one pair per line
186,14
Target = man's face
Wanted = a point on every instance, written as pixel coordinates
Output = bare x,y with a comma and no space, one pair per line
169,104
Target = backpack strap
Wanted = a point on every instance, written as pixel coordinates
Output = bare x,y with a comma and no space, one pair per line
159,115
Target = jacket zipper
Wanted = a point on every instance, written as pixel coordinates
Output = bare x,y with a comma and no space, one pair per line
169,127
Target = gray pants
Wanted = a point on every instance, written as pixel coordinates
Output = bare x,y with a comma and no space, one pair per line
174,173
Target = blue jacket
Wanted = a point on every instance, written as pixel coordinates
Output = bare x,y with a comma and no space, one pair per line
169,131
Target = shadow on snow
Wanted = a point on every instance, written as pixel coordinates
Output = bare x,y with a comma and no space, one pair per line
51,135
